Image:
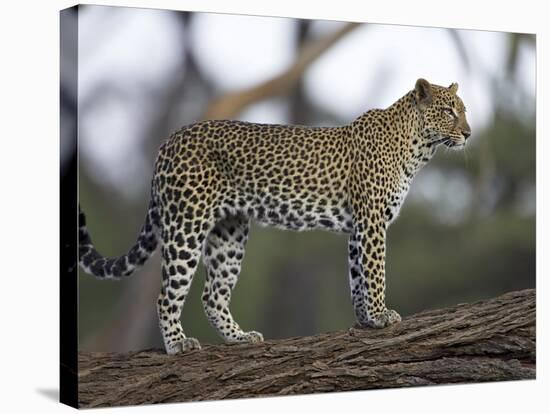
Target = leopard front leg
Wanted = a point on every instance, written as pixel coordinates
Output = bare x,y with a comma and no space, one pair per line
366,250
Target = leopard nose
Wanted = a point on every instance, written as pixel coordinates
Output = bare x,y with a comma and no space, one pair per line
466,133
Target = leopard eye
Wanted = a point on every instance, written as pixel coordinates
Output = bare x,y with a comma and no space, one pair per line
449,111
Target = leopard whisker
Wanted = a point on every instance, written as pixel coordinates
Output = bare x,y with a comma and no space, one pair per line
440,140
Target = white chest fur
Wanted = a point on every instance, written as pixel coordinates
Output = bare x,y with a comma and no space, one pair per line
395,200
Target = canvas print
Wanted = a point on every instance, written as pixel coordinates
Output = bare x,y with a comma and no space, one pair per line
257,206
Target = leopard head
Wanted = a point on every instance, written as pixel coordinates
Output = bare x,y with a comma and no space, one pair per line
442,114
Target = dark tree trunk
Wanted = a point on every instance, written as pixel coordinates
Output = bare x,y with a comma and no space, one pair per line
491,340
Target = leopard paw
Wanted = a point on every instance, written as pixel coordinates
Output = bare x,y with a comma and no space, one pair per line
185,345
251,337
381,320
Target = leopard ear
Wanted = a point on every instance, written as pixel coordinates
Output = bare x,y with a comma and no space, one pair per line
423,92
453,88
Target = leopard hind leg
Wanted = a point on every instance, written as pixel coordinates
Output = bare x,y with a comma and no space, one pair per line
222,257
181,253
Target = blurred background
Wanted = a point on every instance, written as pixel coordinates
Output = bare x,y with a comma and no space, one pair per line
466,231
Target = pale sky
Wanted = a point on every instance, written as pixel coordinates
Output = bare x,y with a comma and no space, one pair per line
372,67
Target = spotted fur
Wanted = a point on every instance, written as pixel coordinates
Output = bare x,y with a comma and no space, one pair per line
212,178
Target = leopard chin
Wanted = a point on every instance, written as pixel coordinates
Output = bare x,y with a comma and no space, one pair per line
455,143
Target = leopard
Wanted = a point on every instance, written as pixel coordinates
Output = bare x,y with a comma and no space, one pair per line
213,178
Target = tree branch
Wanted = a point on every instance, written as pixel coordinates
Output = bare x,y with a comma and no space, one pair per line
231,104
491,340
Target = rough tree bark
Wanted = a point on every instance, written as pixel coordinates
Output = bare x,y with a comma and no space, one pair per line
491,340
